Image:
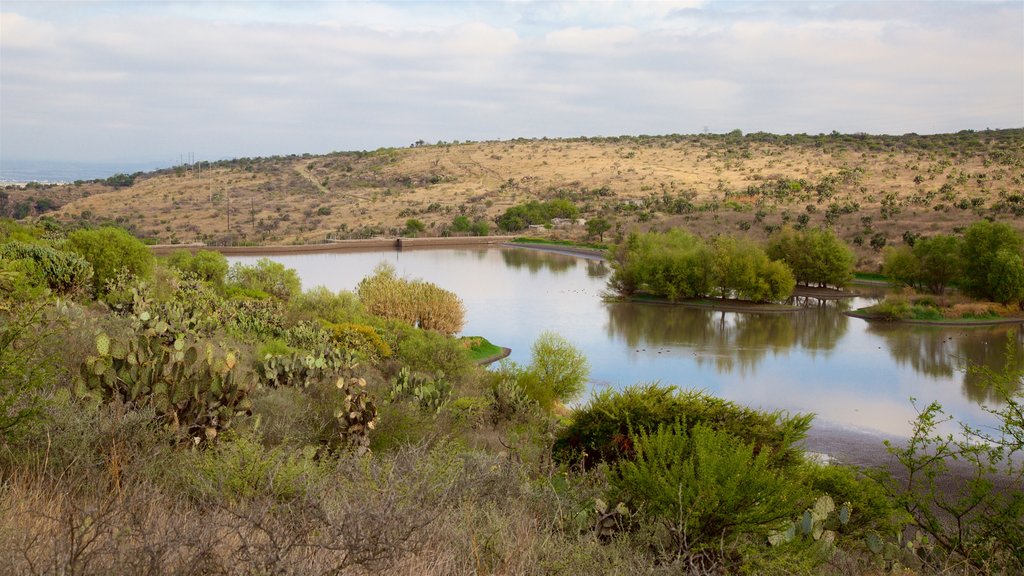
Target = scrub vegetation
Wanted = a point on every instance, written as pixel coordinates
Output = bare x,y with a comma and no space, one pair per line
986,264
186,417
872,191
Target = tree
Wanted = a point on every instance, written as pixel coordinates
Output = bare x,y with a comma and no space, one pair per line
1006,277
559,366
597,227
814,256
900,264
110,251
938,261
983,241
208,265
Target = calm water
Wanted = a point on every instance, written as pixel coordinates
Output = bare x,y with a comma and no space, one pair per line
851,373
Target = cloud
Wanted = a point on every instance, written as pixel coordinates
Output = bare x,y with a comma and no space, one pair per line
150,80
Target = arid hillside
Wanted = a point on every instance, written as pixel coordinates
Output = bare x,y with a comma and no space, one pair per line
874,190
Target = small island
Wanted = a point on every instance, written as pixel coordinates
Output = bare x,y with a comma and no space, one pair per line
976,279
727,272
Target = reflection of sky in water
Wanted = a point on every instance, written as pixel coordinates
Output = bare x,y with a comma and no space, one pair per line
847,371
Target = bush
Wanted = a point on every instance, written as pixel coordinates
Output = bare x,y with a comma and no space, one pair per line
266,276
707,487
63,272
243,469
557,372
361,339
207,265
601,430
25,370
415,302
431,352
110,251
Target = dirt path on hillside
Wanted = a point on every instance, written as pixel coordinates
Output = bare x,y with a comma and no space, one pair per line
301,171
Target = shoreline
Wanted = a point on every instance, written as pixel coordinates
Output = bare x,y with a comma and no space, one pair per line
865,450
942,323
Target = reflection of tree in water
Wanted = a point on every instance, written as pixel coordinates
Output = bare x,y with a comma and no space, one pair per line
940,352
536,260
597,269
732,341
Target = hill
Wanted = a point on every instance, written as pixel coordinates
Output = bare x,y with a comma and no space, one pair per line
874,190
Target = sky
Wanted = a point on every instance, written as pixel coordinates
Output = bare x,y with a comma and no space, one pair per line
153,81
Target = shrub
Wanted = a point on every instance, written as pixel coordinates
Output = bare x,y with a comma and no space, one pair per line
208,265
243,469
601,430
63,272
266,276
431,352
707,487
320,303
361,339
414,302
110,251
24,371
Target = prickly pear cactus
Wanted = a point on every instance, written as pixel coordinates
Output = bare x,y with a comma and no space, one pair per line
816,523
357,414
197,388
430,394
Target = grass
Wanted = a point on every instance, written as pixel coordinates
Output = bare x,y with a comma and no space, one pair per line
480,348
870,277
550,242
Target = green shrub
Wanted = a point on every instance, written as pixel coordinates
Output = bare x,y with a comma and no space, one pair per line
320,303
707,487
25,371
244,469
601,429
431,352
109,251
208,265
61,271
266,276
361,339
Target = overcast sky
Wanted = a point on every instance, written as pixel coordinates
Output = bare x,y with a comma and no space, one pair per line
150,81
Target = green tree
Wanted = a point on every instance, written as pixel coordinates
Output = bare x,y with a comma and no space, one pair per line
938,261
597,227
814,256
1006,277
559,367
110,251
461,224
900,264
983,241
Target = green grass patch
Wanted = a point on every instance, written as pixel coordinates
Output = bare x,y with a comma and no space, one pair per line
480,348
549,242
871,277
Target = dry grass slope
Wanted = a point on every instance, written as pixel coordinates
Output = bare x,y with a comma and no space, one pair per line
871,189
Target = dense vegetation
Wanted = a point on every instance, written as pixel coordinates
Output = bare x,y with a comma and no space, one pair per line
986,264
193,418
678,265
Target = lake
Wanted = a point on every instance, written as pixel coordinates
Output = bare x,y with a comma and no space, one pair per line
853,374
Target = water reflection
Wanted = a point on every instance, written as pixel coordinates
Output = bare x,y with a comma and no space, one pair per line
537,260
729,341
598,268
942,352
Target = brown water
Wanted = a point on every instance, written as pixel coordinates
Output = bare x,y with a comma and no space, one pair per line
852,373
